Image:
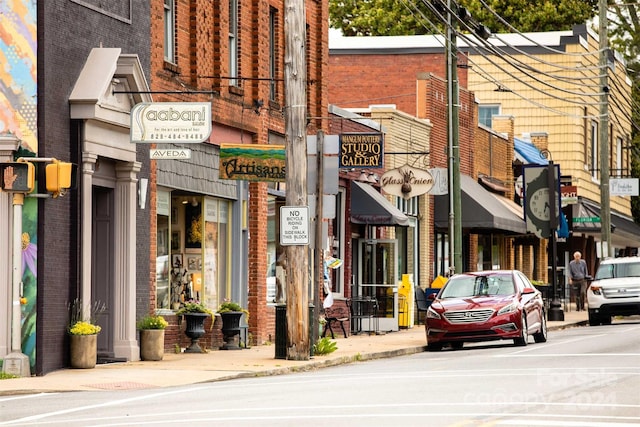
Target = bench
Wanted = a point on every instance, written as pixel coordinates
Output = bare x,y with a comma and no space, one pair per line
337,315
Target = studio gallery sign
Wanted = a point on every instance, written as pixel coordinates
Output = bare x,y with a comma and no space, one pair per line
361,150
170,122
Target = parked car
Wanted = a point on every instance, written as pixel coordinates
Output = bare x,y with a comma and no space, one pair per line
485,306
615,290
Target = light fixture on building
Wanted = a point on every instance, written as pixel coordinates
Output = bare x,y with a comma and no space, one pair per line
363,177
373,178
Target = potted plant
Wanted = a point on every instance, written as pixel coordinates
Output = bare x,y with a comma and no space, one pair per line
231,313
83,332
195,313
152,337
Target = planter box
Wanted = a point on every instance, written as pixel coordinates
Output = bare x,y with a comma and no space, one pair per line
151,344
84,351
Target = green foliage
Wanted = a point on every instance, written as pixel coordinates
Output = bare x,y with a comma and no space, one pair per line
6,376
152,322
402,17
228,306
193,307
324,346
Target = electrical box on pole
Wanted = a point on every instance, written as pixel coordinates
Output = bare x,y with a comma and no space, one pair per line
58,177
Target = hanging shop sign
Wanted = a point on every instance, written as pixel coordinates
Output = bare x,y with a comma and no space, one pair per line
623,187
252,162
361,150
171,122
169,154
406,182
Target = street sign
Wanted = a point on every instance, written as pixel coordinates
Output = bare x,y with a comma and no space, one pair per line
294,225
587,219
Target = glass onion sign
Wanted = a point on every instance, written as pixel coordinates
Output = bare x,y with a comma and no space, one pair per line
361,150
176,122
406,182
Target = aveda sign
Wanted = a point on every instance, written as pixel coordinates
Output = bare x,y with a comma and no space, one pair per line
171,122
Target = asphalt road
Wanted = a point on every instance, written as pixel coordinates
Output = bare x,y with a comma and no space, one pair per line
587,376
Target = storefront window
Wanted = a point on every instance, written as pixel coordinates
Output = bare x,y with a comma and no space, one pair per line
193,248
162,250
217,223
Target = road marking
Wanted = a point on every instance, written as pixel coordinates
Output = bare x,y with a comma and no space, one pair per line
569,355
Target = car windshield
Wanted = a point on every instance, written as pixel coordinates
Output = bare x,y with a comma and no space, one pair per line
610,271
471,286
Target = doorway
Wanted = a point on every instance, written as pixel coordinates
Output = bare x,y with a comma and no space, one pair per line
102,265
377,281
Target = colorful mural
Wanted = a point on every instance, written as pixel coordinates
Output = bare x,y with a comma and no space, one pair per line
18,115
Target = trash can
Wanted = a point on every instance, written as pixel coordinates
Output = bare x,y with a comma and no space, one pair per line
281,330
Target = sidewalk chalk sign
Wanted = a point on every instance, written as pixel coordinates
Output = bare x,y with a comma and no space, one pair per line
294,225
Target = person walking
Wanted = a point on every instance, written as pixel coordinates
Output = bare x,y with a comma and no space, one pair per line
578,276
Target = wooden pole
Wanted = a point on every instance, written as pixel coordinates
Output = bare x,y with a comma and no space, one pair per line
295,82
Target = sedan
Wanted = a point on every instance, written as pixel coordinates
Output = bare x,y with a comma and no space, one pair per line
485,306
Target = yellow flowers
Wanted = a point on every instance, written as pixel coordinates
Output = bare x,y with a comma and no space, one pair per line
84,328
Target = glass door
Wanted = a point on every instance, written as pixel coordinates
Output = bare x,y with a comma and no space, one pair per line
377,285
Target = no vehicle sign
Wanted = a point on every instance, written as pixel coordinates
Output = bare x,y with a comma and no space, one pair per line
294,225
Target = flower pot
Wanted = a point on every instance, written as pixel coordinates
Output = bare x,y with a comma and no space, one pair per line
84,351
151,344
231,328
194,330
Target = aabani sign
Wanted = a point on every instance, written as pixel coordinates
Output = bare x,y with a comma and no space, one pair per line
176,122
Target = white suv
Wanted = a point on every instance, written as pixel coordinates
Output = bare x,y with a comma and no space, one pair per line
615,290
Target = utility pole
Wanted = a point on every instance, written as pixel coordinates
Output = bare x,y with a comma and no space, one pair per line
605,208
453,134
295,82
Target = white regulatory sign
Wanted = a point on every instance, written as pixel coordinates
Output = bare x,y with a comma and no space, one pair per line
294,225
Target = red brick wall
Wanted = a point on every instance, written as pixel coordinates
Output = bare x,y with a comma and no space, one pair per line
202,63
394,75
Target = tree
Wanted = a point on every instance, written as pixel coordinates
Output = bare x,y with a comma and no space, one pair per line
406,17
625,37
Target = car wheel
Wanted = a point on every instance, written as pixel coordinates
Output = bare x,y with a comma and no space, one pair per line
523,339
457,345
436,346
541,335
594,319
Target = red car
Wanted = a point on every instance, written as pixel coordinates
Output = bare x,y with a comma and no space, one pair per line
485,306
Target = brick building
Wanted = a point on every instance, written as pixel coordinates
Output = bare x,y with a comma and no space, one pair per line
418,87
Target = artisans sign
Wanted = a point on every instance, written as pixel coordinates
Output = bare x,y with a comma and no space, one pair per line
171,122
252,162
361,150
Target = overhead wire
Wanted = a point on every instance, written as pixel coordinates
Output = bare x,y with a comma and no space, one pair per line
489,58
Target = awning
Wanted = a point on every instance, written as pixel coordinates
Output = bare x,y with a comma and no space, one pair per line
368,206
625,232
481,210
528,153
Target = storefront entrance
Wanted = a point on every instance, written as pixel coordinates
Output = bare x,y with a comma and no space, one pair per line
375,298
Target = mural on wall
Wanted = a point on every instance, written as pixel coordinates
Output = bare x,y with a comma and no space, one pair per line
18,114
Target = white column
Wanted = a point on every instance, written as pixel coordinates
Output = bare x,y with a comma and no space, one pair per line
124,311
88,167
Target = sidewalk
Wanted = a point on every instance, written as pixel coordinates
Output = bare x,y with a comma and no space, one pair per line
181,369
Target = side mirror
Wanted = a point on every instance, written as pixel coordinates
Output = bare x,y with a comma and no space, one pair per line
432,296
